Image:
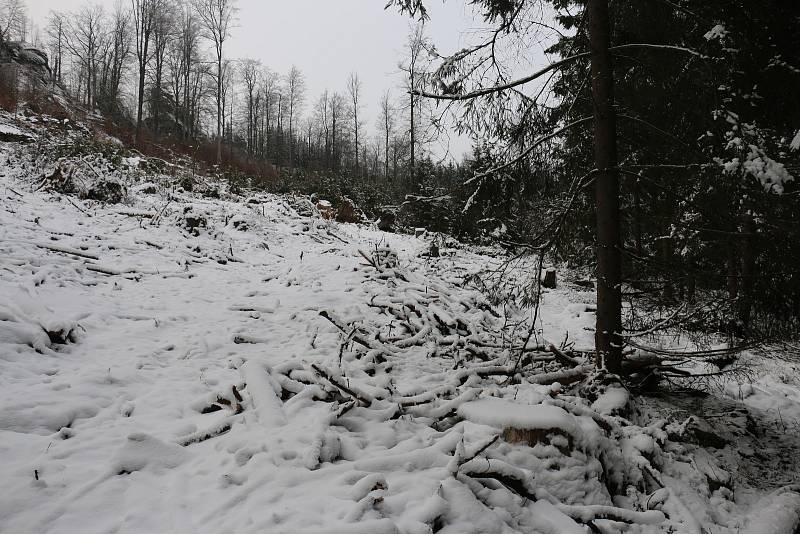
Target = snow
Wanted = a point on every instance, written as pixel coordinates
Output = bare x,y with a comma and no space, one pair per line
132,162
142,452
504,414
252,373
795,144
264,392
10,130
717,32
611,401
776,514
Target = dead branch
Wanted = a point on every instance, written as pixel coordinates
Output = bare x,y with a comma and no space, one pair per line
361,398
69,251
78,207
563,358
569,376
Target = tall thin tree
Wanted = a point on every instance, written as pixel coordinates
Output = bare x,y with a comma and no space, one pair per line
144,19
386,123
217,17
354,92
295,93
608,333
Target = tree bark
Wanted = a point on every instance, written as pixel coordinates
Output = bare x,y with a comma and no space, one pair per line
749,253
219,105
608,334
413,136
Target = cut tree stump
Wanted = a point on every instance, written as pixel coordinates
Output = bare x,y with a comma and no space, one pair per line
534,436
549,280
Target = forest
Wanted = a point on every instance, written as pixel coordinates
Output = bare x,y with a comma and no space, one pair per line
587,320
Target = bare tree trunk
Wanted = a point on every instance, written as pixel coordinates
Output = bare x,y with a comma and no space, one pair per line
608,334
219,106
413,137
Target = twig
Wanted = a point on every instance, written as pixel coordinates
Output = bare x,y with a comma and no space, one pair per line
78,207
336,236
480,450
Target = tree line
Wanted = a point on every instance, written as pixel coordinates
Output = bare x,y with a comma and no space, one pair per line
163,66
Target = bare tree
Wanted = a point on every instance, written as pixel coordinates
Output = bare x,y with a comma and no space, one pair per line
144,20
322,115
217,17
56,24
85,36
416,46
184,64
295,94
386,122
163,34
228,72
336,107
269,88
12,19
250,71
376,154
354,91
115,56
200,78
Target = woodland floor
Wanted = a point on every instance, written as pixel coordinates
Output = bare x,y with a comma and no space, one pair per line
177,363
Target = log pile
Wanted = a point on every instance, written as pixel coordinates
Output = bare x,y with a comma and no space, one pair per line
467,354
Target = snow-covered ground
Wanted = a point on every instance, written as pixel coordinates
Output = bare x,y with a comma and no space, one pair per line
186,364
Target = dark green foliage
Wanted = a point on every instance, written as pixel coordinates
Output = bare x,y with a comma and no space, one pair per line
705,117
699,223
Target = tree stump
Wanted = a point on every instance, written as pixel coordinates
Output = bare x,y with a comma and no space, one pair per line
549,280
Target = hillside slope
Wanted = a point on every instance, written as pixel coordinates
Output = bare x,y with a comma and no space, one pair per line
181,363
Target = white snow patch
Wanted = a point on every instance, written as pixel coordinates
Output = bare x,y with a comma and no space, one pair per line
795,144
717,32
612,401
500,413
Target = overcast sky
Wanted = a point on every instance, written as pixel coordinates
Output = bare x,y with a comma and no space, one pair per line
327,40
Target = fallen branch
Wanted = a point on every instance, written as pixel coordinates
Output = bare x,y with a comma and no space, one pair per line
513,478
78,207
569,376
67,250
363,400
203,435
563,358
587,513
355,337
337,237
